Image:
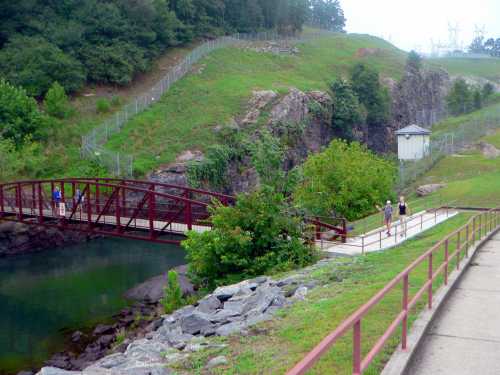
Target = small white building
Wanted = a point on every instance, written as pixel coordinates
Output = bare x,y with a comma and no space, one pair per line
413,142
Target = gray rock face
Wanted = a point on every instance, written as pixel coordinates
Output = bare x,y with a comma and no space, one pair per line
217,361
209,304
488,150
425,190
194,323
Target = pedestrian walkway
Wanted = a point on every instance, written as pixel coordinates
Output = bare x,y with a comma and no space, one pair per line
464,339
378,239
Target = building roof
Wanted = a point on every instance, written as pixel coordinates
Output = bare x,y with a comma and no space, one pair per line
413,130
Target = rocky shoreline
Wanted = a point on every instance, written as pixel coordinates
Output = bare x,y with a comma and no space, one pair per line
19,238
169,339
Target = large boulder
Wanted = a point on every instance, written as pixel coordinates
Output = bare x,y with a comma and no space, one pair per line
488,150
425,190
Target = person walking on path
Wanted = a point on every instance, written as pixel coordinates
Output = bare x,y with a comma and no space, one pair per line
387,216
404,211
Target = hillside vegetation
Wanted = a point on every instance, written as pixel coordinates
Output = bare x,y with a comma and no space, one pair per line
220,86
487,68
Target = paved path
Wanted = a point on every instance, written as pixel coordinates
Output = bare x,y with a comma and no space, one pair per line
464,339
377,239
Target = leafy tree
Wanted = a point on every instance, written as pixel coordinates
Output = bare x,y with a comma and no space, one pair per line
365,82
346,109
414,61
56,102
488,91
19,117
460,98
327,14
477,99
172,298
35,64
259,234
345,179
477,45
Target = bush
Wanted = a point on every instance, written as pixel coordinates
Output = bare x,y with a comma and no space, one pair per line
116,100
345,179
35,64
19,114
260,234
102,105
172,299
460,99
212,170
56,102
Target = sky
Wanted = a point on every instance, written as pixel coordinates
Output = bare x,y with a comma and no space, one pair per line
411,24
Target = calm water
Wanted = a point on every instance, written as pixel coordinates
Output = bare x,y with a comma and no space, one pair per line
44,295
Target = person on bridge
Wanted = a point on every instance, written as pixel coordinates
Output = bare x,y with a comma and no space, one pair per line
57,197
404,211
79,199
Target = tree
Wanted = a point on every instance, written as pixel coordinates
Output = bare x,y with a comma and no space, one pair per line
414,61
56,102
488,91
172,298
34,64
258,235
365,82
346,109
345,179
477,45
460,98
19,117
477,99
327,14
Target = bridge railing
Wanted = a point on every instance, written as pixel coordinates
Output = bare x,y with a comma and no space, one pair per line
451,248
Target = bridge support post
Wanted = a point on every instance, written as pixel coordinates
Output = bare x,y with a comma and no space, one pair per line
151,212
2,206
89,208
40,203
117,211
19,200
188,214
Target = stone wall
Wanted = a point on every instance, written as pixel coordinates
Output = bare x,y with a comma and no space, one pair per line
18,238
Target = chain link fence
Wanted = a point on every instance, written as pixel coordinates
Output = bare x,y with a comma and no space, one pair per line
121,164
448,143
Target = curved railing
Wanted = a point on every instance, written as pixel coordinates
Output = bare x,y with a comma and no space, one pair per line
459,242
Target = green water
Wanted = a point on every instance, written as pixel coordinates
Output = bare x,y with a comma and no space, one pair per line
46,295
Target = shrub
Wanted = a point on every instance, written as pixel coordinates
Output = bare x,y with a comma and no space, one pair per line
19,114
56,102
102,105
172,299
345,179
34,64
116,100
212,170
460,98
261,233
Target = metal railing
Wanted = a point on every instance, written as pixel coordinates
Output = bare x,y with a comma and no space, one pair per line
461,240
121,164
378,239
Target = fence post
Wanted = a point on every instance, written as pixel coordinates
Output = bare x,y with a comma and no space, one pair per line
467,242
446,261
356,348
429,278
404,333
458,250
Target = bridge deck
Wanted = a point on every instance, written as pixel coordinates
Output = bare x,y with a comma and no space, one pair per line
137,224
377,239
465,336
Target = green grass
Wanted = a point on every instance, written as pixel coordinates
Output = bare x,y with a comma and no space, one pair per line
345,285
185,117
483,68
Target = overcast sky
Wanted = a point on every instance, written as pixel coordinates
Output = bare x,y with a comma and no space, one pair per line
411,24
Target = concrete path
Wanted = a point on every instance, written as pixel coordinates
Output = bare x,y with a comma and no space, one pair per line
464,339
378,239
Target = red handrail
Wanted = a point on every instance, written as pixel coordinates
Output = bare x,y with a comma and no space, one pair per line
488,221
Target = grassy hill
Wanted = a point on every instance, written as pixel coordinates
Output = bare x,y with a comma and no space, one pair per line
220,85
488,68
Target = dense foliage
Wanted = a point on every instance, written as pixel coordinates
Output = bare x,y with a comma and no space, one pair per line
371,94
346,180
258,235
19,115
56,102
490,46
109,41
464,98
172,293
347,111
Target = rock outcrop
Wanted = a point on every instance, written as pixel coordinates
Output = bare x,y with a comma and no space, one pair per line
229,310
419,98
488,150
19,238
425,190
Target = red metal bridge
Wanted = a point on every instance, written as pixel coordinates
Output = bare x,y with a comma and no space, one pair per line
134,209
